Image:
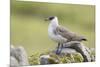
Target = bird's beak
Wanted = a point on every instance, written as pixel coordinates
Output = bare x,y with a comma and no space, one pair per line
46,19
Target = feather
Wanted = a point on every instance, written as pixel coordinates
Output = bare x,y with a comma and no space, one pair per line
71,36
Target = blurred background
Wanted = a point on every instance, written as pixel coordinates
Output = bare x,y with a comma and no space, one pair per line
29,29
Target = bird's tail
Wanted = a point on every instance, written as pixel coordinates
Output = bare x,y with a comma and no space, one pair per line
84,39
79,38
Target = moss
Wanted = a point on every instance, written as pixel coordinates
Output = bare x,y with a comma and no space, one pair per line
57,59
78,57
34,59
65,60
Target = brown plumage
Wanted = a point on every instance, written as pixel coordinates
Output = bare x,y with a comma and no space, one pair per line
71,36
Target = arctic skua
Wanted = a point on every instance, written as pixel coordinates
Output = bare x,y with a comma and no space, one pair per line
61,34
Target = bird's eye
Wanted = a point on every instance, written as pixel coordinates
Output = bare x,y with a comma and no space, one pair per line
51,18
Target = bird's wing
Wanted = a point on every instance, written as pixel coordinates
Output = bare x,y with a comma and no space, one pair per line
64,32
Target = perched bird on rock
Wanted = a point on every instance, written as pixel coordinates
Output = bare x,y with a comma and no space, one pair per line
60,34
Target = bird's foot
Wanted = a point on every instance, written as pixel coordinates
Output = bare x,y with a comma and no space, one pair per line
57,52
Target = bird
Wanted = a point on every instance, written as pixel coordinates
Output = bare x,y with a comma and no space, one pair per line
61,34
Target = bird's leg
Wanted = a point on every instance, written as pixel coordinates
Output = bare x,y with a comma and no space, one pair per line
61,48
57,51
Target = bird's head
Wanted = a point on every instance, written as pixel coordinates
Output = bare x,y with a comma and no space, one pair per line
51,18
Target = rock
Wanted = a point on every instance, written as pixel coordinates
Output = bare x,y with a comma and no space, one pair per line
72,52
47,59
44,59
92,49
14,62
74,47
52,58
88,49
92,58
65,51
92,54
20,55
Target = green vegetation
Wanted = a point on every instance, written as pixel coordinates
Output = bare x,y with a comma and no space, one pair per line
29,29
34,59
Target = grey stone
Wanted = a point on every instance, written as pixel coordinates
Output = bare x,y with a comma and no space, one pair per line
92,54
66,51
14,62
47,59
19,54
44,59
75,46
